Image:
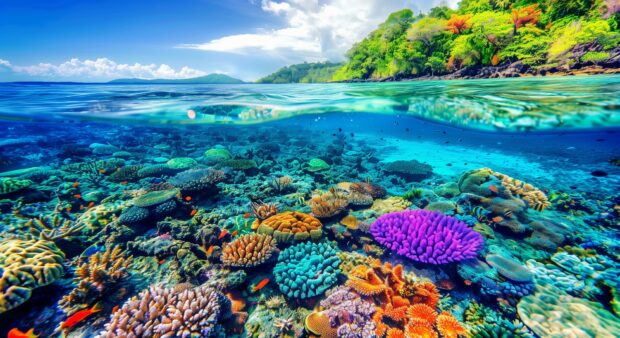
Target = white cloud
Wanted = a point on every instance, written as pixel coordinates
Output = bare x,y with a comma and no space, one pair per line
102,68
314,30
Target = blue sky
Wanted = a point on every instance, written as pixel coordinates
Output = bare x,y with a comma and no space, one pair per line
98,40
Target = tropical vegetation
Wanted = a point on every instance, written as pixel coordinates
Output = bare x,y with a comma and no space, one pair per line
303,73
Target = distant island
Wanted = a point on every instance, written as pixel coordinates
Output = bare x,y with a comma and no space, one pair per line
481,39
303,73
207,79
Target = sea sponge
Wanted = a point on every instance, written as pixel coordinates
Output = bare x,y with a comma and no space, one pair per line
155,198
98,280
173,312
24,266
291,226
197,179
411,170
329,204
428,237
306,269
318,324
11,185
181,163
249,250
510,268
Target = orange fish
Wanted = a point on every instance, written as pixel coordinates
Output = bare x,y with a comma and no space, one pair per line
90,205
234,233
188,198
79,316
124,183
493,188
210,250
75,184
193,212
114,309
467,282
78,196
222,234
17,333
162,261
69,209
497,219
246,215
101,171
81,207
260,285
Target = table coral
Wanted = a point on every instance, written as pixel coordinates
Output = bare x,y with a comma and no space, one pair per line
428,237
306,269
249,250
411,170
24,266
197,179
169,312
291,226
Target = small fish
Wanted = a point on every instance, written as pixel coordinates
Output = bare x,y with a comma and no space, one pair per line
162,261
188,198
493,188
479,213
210,250
81,207
90,205
17,333
79,316
191,114
223,234
102,171
114,309
260,285
78,196
598,173
75,184
508,213
124,183
68,209
497,219
246,215
467,282
91,250
193,212
615,161
234,233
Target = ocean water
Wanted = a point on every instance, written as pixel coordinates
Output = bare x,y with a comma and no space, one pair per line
289,210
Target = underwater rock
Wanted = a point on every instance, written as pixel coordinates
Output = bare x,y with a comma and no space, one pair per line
551,313
306,269
412,170
291,226
169,312
24,266
249,250
428,237
102,149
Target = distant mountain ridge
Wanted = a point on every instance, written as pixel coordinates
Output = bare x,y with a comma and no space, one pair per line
207,79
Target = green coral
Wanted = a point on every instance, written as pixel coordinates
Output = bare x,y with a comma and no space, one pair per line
182,163
317,164
217,154
11,185
154,198
238,164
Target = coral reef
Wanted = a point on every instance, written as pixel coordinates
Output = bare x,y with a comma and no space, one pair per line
428,237
249,250
306,269
290,226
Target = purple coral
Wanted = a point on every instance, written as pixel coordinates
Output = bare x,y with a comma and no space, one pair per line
349,313
427,236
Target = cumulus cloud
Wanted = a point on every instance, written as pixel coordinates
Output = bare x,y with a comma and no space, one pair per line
314,29
102,68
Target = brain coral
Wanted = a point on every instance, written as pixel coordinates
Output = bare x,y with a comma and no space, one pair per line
249,250
174,312
197,179
24,266
427,236
291,226
307,269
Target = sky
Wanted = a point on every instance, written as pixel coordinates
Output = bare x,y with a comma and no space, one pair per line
101,40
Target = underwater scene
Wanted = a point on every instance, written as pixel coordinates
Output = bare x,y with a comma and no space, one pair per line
478,208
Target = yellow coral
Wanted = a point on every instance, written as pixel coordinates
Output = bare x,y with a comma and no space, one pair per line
291,226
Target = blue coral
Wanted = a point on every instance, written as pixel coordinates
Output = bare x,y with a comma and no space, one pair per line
307,269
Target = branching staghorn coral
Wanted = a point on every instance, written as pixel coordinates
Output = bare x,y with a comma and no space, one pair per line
98,280
51,228
535,198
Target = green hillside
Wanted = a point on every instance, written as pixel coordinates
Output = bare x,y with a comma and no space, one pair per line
303,73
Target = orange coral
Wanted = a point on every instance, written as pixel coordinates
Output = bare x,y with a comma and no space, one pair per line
249,250
420,331
363,280
449,327
350,221
263,210
422,312
426,293
291,226
396,314
331,203
395,333
318,324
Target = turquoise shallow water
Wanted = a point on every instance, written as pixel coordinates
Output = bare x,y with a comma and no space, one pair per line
551,103
185,197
